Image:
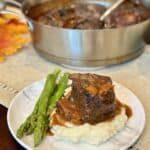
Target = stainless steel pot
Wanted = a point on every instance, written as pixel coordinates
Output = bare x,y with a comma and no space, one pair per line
88,48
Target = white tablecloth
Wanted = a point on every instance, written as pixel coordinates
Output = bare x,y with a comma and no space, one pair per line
27,66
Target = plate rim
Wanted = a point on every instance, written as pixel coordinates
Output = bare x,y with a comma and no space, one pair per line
132,142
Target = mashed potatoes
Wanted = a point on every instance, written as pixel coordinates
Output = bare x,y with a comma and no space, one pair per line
92,134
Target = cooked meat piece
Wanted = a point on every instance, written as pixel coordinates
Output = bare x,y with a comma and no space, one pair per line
69,111
87,15
127,14
92,99
74,16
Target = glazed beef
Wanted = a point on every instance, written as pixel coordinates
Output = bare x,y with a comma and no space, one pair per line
91,100
69,111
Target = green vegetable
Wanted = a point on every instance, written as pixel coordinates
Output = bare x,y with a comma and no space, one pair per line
24,127
38,121
58,94
42,122
41,106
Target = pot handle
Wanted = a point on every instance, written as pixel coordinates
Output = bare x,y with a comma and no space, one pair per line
12,3
15,4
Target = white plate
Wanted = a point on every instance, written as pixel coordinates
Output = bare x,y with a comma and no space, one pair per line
22,105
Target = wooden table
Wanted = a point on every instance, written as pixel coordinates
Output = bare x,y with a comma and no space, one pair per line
6,140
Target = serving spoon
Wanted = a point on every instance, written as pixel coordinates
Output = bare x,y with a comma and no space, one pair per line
110,9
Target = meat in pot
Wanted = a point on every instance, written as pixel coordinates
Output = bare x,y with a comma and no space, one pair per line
127,14
87,16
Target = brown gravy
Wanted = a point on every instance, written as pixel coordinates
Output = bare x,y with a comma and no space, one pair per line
57,120
50,132
128,111
127,108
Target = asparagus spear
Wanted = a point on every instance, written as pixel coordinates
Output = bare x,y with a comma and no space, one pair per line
58,94
42,121
28,126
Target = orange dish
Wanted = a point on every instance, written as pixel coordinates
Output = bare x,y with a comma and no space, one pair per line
13,35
